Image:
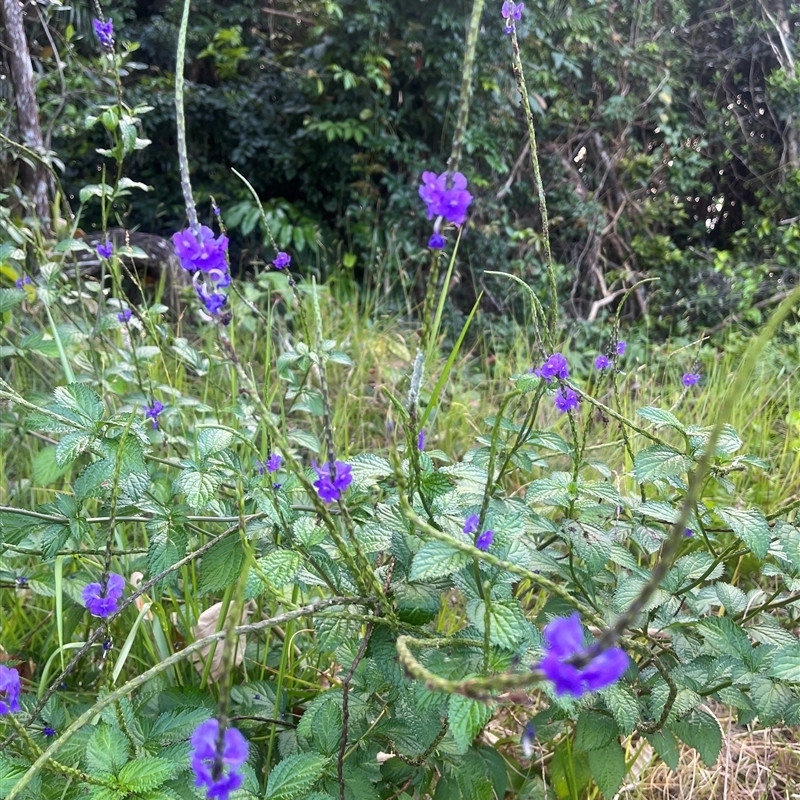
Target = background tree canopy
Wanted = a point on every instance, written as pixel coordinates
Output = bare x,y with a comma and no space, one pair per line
668,132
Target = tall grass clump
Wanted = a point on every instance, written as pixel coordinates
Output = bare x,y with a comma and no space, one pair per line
274,549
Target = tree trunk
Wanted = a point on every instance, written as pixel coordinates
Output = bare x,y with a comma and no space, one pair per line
34,177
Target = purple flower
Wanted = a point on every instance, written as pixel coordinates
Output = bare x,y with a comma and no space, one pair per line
213,302
9,690
437,241
512,12
620,348
555,367
471,524
421,440
48,731
282,260
206,254
528,735
272,464
105,33
22,282
688,533
565,400
564,641
690,378
601,362
484,541
124,315
105,250
218,770
450,203
102,601
332,480
153,410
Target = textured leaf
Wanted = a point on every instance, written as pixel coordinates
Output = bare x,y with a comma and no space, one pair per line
95,480
71,446
80,399
466,718
608,768
220,566
595,731
107,750
771,699
702,732
176,725
146,773
622,703
213,440
45,467
435,560
786,664
198,487
750,526
293,777
660,461
732,598
665,744
507,624
659,416
280,567
167,545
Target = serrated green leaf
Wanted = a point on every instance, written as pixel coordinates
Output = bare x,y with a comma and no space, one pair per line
107,750
771,698
280,567
198,487
167,545
702,732
10,298
750,525
71,446
665,744
145,773
507,624
660,416
608,768
595,731
220,566
732,598
786,664
466,718
95,480
629,590
81,400
176,725
435,560
622,703
213,440
660,461
45,468
293,777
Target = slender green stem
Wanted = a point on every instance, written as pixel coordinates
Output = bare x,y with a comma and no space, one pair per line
183,154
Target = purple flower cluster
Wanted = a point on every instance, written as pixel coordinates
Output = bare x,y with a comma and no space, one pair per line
9,690
565,400
125,315
153,410
105,250
621,348
20,283
511,12
604,362
421,440
217,769
207,256
282,260
332,479
555,367
272,464
564,641
104,32
437,241
102,601
690,378
484,541
443,203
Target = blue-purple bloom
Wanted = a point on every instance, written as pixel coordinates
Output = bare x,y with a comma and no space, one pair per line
437,241
9,690
272,464
104,32
620,348
601,362
20,283
48,731
105,250
555,367
471,524
688,533
153,410
564,641
565,400
450,203
217,770
484,541
528,736
102,601
690,378
282,260
206,254
421,440
214,302
511,12
332,479
125,315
